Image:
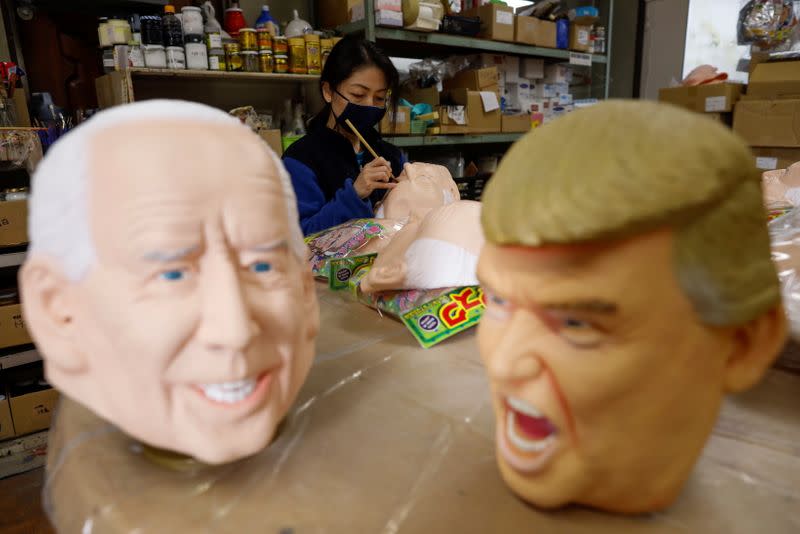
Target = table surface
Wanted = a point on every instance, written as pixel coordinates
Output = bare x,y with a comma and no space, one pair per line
387,437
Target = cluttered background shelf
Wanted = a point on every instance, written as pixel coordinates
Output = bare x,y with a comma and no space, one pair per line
397,40
439,140
224,75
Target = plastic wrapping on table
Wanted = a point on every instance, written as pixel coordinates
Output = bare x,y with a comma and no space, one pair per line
785,236
353,238
389,438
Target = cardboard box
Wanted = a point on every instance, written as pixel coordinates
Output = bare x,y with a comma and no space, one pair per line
392,19
273,139
558,74
510,73
453,120
13,223
473,79
775,80
549,90
519,96
531,68
416,96
546,33
12,327
497,21
479,121
771,158
397,122
389,5
32,412
516,123
21,108
6,423
333,13
711,98
771,123
525,30
580,37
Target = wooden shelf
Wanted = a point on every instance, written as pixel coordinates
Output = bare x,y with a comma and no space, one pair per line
222,75
440,140
443,40
16,359
11,259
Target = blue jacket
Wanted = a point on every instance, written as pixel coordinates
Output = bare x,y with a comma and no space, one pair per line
323,167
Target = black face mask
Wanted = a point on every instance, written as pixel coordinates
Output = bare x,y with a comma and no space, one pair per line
362,117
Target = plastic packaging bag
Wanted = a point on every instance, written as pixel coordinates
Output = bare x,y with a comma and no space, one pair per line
768,24
785,235
353,238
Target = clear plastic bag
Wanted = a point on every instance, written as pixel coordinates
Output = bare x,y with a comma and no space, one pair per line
353,238
785,235
389,438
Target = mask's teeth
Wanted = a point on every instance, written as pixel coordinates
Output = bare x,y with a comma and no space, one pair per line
229,392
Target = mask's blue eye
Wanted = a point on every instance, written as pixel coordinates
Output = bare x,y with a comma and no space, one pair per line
173,276
261,267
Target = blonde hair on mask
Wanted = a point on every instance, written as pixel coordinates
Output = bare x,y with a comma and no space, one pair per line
622,168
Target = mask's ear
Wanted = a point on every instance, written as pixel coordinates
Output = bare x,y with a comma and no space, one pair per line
408,172
327,93
311,304
755,348
48,305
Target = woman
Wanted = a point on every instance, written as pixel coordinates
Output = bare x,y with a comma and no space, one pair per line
334,176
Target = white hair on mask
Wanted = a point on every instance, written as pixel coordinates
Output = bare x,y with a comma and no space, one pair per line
435,264
58,216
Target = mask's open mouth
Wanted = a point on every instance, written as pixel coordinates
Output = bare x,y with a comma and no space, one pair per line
526,438
236,392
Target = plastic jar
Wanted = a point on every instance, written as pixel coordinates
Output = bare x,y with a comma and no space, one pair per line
176,58
233,58
234,21
120,31
281,63
280,46
216,59
135,55
196,53
250,61
264,39
313,54
155,57
192,21
213,40
297,56
247,39
266,62
325,47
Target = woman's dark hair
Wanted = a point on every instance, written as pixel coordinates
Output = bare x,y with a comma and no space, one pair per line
349,55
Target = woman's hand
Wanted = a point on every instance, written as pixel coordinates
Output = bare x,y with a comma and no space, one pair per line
375,175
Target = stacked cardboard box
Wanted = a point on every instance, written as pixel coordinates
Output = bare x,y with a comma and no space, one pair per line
333,13
536,32
478,91
718,100
497,21
397,122
768,117
27,403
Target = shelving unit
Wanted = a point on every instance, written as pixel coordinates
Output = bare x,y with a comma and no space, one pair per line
224,90
26,355
411,44
450,140
11,259
390,38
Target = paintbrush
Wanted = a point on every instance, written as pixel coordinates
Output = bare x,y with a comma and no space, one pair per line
364,142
